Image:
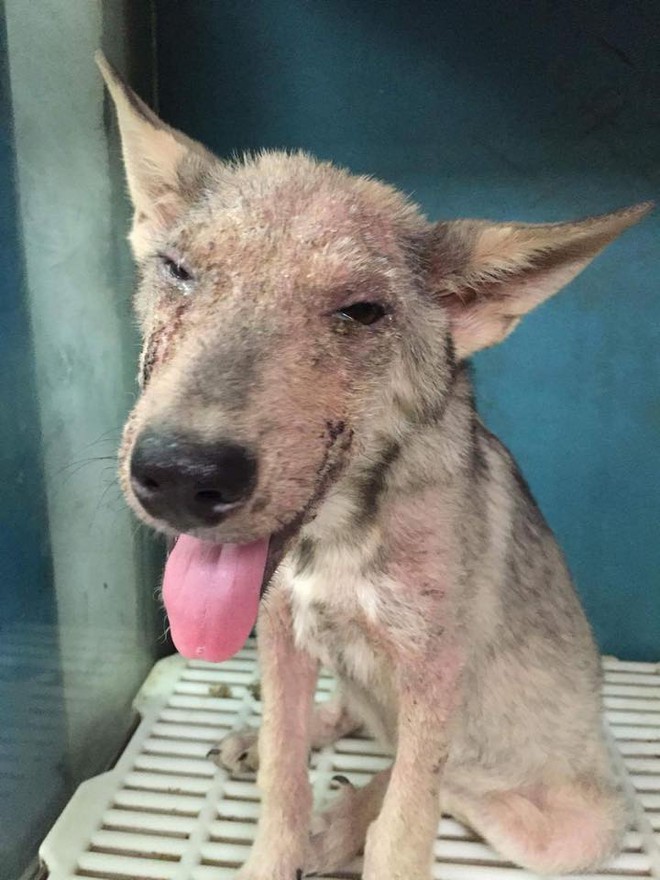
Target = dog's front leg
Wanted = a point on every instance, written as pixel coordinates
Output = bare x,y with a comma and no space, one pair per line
400,841
288,680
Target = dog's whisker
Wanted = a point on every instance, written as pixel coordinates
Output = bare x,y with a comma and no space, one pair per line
78,463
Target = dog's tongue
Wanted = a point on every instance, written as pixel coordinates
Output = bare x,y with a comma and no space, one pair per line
211,594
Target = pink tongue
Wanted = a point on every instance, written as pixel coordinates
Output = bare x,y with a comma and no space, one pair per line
211,594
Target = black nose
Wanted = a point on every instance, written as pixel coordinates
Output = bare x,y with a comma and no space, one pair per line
190,484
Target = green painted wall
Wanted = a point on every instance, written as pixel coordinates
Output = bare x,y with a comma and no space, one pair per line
79,622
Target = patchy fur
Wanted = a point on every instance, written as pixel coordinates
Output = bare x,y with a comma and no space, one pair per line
418,567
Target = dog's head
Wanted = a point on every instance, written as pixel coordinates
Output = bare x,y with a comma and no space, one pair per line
296,318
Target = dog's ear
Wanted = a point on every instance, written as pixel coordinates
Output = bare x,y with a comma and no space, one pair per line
162,164
488,275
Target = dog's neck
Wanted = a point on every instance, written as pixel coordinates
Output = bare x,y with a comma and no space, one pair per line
396,464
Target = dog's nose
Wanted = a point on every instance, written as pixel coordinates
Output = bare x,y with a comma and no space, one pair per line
190,484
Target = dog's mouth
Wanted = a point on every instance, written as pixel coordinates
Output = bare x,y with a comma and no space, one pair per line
211,592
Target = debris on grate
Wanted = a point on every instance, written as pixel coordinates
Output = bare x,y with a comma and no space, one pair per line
166,813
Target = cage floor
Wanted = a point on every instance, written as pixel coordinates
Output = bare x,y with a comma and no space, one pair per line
166,813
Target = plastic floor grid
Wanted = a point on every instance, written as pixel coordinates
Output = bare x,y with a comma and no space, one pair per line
166,813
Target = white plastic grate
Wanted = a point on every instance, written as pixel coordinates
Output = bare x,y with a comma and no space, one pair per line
166,813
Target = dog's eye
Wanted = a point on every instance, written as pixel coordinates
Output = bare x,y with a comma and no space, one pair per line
362,313
175,269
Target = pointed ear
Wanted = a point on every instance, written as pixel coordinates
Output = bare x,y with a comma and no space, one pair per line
162,165
488,275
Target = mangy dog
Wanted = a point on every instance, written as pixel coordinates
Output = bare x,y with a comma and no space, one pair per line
306,410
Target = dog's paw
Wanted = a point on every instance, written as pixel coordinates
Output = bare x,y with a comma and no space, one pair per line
238,752
337,834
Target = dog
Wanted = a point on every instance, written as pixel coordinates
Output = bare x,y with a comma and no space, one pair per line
306,430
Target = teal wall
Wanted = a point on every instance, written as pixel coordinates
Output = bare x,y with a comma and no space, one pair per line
23,524
80,624
26,590
535,111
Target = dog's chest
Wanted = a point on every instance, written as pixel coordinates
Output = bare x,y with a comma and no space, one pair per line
336,614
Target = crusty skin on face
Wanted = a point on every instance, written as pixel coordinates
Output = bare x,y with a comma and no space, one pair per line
419,567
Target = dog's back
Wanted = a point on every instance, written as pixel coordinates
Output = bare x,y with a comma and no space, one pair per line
532,686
